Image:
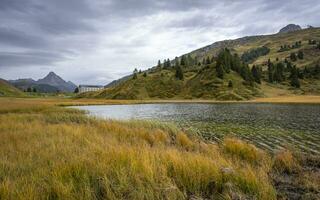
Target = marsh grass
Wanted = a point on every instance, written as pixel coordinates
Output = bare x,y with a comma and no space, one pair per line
51,152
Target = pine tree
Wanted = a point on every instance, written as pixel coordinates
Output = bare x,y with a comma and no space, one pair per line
289,67
270,71
230,84
190,60
29,89
245,73
316,70
278,72
183,61
34,90
76,90
208,62
293,57
219,70
224,59
256,74
134,76
235,63
164,64
294,78
135,73
144,74
176,61
179,72
300,55
203,61
159,64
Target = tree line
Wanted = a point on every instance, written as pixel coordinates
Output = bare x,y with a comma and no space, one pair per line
253,54
289,47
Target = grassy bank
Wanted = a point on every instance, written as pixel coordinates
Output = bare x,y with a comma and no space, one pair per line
51,152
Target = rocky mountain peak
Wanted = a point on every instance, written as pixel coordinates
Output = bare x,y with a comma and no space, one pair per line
290,28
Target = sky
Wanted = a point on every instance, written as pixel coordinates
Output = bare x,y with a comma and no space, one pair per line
97,41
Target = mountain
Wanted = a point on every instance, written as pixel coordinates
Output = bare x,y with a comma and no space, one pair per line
290,28
49,84
200,72
54,80
6,89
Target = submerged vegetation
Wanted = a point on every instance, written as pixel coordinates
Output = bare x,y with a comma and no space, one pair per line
52,152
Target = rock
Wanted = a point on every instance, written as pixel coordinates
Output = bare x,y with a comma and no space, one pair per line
227,170
290,28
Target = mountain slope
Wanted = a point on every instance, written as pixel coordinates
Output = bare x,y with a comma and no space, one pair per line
6,89
201,80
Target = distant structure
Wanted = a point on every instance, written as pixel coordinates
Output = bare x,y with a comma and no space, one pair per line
89,88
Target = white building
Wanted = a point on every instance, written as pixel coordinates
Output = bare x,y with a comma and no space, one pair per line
89,88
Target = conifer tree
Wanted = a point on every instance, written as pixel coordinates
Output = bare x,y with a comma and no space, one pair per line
190,60
176,61
300,55
270,71
256,74
179,72
144,74
316,70
294,78
203,61
246,74
208,62
278,72
236,63
220,70
159,64
230,84
293,57
135,71
183,61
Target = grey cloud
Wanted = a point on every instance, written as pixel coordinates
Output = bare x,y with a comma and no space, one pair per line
100,34
15,59
18,38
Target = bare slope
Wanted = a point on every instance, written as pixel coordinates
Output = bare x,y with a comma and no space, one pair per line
6,89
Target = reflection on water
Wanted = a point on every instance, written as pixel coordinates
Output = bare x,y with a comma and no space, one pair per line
205,118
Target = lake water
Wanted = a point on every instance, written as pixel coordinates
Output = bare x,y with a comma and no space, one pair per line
270,126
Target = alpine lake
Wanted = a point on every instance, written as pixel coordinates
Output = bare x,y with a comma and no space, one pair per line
268,126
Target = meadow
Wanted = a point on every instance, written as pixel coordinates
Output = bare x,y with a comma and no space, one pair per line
51,152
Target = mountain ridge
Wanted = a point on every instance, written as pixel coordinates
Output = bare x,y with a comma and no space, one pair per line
49,84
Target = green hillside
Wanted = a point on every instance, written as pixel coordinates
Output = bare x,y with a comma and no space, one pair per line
7,89
284,64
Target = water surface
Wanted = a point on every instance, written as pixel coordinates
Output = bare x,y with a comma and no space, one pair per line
270,126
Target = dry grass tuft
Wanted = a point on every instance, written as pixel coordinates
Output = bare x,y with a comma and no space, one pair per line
247,152
284,162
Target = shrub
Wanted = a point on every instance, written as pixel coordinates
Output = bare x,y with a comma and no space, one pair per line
284,162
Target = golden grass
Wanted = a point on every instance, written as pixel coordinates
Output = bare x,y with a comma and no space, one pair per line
284,162
50,152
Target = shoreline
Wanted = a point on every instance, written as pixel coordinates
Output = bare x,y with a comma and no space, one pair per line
272,100
310,99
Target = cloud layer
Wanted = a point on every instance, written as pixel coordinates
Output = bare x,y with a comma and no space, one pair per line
96,41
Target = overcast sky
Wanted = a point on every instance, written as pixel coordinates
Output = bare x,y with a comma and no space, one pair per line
97,41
